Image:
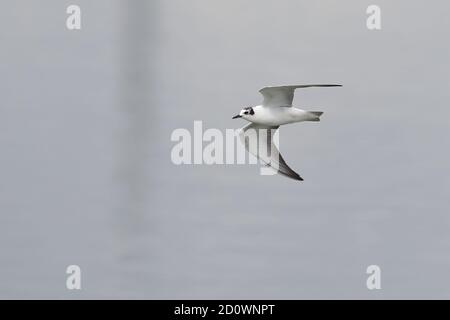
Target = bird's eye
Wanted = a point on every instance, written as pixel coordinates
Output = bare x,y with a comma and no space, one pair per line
246,112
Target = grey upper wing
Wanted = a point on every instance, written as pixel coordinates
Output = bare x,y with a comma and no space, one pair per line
282,96
259,142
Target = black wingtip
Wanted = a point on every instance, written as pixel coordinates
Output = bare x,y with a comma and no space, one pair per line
296,176
293,175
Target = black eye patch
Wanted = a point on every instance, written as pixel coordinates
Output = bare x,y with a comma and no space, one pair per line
250,109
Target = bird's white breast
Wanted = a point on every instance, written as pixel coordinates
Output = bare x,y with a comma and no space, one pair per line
276,116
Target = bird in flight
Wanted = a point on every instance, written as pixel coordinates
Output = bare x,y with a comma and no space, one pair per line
275,110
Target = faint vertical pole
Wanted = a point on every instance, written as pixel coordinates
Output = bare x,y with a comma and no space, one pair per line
138,111
138,116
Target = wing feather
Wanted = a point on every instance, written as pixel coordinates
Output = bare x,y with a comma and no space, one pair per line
265,151
282,96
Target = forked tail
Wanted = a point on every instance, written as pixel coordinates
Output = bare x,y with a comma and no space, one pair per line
315,115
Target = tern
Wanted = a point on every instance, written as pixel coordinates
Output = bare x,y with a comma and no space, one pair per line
275,110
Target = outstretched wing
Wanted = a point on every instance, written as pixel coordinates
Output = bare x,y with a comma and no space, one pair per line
282,96
258,141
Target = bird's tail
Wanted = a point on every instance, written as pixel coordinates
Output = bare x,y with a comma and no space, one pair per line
315,115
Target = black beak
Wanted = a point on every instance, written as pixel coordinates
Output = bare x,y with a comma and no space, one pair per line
237,116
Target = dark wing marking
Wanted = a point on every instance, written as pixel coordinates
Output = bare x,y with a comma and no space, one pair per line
266,152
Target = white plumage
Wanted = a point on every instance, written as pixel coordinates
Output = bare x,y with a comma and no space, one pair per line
275,110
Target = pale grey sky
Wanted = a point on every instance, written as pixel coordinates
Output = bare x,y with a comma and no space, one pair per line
86,176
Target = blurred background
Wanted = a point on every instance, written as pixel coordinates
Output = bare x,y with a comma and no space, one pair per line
86,176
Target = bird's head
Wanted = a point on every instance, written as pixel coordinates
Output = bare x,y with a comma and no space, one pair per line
245,113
